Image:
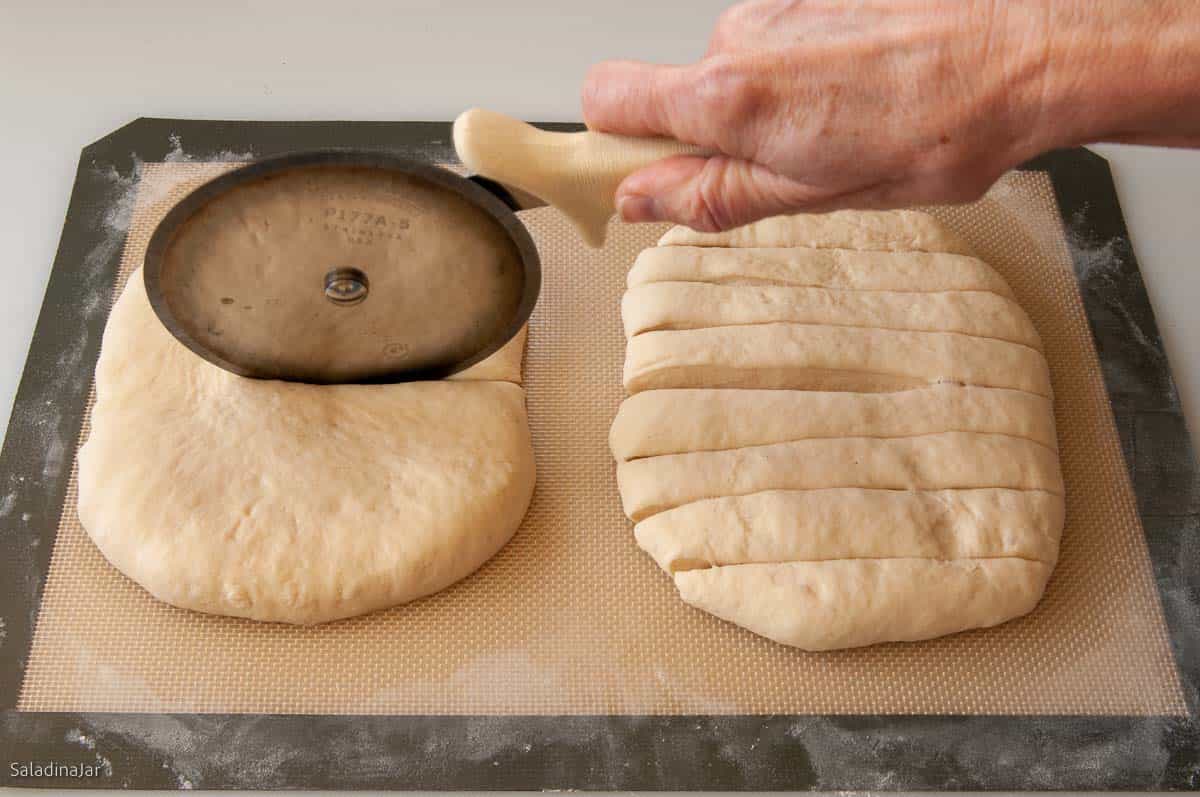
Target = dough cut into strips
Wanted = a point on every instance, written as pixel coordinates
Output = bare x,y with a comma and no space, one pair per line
949,460
840,429
815,357
854,523
658,422
854,602
876,230
843,269
692,305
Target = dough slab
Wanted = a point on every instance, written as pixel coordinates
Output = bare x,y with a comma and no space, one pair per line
840,430
290,502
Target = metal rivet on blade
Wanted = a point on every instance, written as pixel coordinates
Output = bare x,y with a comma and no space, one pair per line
346,286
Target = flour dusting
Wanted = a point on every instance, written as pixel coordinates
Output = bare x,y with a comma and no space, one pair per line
77,736
1102,269
178,154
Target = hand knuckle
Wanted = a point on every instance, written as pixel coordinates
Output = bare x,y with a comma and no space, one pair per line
708,207
729,93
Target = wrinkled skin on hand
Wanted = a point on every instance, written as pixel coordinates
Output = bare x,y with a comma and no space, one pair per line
821,104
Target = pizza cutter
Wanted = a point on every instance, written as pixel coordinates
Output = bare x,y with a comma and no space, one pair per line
366,267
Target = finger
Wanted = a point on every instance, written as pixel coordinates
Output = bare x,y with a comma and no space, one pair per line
711,194
719,103
719,193
631,97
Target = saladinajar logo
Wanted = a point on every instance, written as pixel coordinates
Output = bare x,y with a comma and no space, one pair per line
58,769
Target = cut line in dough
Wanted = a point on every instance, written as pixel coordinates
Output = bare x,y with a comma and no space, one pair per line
946,460
840,430
871,230
843,269
657,422
854,523
690,305
781,355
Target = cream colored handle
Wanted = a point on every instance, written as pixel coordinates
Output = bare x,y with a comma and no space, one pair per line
578,173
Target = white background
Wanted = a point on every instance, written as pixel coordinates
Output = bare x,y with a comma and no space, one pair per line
72,72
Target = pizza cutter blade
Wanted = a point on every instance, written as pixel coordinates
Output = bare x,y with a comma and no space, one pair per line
367,267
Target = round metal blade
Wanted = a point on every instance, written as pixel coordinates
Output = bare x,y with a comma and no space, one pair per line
342,267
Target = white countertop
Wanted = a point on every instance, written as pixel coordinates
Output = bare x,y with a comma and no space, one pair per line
72,72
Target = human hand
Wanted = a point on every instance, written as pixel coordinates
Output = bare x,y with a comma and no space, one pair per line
821,104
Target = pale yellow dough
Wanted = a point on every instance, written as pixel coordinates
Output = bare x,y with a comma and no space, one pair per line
871,230
946,460
840,430
842,269
854,523
680,421
290,502
690,305
822,357
854,602
503,366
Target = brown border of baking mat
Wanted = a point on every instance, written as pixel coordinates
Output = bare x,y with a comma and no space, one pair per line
580,752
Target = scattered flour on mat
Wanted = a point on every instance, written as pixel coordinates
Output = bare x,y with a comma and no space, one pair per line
56,453
1102,263
93,275
179,155
979,752
77,736
1093,259
87,741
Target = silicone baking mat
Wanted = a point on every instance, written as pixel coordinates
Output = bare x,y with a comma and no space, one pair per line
571,619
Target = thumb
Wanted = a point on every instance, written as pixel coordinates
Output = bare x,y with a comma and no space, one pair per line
710,194
633,98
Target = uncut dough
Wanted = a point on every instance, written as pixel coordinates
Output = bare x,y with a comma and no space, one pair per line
833,439
290,502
